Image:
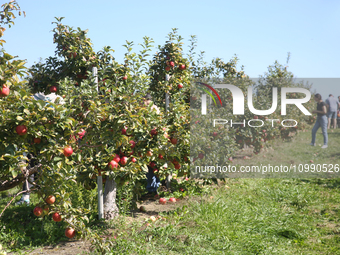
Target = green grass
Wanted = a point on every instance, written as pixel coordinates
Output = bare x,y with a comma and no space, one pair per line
245,216
238,216
251,216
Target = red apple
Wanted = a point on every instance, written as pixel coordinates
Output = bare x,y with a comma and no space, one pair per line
74,54
215,134
56,217
180,85
4,92
81,134
177,166
133,144
133,160
68,151
172,63
116,158
37,140
53,89
182,67
125,78
172,200
113,164
38,211
149,153
174,161
70,232
152,164
173,141
123,131
167,68
50,199
162,201
160,156
123,161
154,131
21,130
142,209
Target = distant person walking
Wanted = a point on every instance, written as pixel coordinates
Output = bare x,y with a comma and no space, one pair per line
332,105
321,121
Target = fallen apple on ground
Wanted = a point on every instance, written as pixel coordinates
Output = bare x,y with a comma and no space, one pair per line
172,200
162,201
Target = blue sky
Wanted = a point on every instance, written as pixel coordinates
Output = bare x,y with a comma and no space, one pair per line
258,32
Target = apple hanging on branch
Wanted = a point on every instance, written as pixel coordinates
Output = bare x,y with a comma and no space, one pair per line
68,151
4,92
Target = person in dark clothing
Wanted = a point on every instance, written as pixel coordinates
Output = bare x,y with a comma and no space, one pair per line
153,181
321,121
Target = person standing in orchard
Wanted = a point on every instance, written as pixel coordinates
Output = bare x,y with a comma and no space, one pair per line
332,105
321,121
153,181
31,158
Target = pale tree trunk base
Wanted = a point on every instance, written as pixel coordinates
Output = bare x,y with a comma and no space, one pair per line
168,181
111,210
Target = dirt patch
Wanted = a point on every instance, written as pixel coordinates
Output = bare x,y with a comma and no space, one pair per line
73,247
69,248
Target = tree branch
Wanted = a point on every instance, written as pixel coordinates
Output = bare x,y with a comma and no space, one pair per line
13,199
9,184
90,146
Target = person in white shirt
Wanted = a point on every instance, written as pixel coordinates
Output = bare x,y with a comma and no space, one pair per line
332,106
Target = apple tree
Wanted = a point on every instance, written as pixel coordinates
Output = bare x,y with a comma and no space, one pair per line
85,136
171,77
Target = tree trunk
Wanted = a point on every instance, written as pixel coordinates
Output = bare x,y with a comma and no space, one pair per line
168,181
111,210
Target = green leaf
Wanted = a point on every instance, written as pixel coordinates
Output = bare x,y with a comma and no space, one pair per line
60,164
57,159
13,171
70,121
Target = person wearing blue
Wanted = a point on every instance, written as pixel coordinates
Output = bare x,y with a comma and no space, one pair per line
153,181
332,106
321,121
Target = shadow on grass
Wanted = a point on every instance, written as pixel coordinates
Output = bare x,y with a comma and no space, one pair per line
21,229
327,183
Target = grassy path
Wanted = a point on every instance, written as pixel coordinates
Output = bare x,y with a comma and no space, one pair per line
248,216
253,216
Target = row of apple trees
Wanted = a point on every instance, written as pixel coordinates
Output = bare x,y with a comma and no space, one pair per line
101,128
